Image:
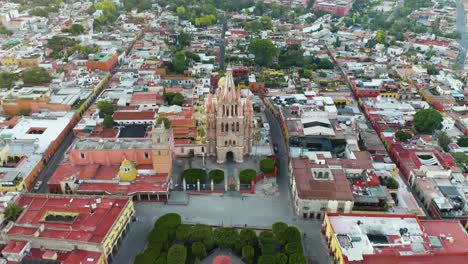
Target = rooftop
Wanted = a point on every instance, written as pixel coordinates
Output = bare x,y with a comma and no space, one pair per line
85,224
362,236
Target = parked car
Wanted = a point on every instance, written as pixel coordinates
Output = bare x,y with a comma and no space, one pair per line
37,185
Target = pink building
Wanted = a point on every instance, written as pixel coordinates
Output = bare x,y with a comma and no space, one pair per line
337,7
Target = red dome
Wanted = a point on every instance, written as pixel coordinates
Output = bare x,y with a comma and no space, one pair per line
222,260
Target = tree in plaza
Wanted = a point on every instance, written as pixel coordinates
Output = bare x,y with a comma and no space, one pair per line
165,120
403,136
297,258
226,237
266,259
264,51
177,254
36,75
12,212
292,234
217,176
444,140
267,165
183,232
198,250
192,175
108,121
7,79
248,237
428,120
247,176
281,258
248,253
279,229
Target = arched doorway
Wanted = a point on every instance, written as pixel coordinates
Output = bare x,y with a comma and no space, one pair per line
229,156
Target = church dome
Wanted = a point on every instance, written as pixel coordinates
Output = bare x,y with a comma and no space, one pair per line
127,171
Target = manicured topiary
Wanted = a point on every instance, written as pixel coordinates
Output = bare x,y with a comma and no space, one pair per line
292,234
281,258
247,176
266,259
226,237
248,254
297,258
170,220
268,249
198,250
266,237
192,175
183,232
279,229
199,232
177,254
267,165
248,237
217,176
293,247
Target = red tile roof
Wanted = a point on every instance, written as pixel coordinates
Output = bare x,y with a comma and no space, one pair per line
76,256
145,115
91,227
14,246
309,188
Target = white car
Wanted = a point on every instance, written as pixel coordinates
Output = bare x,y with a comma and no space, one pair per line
38,185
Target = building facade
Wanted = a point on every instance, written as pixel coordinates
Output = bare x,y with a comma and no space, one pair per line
229,122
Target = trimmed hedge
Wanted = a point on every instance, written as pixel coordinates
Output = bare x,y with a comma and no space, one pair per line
200,232
268,249
170,220
177,254
198,250
297,258
266,259
226,237
292,234
248,253
267,237
217,176
293,247
279,229
267,165
281,258
248,237
247,176
192,175
183,232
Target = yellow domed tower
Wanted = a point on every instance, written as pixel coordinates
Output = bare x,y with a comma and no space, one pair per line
127,171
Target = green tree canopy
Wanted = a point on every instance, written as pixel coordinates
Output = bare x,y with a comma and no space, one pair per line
36,75
248,253
226,237
463,142
198,250
432,69
105,108
267,165
12,212
192,175
108,121
264,51
177,254
247,176
217,176
281,258
165,120
403,136
7,79
444,140
427,120
173,99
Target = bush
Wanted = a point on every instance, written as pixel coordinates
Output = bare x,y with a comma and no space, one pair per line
226,237
209,243
248,254
177,254
217,176
267,237
278,229
268,249
247,176
427,120
266,259
158,236
200,232
183,232
170,220
292,234
192,175
281,258
463,142
293,247
297,258
267,165
403,136
36,75
392,183
248,237
198,250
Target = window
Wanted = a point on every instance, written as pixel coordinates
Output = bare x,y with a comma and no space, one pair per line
234,142
341,206
182,150
202,149
237,126
236,110
225,143
82,155
159,140
146,155
232,109
222,127
226,128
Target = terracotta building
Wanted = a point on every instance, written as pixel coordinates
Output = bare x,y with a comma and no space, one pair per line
103,62
229,121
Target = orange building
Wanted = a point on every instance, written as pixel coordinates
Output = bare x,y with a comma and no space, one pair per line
13,107
102,61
